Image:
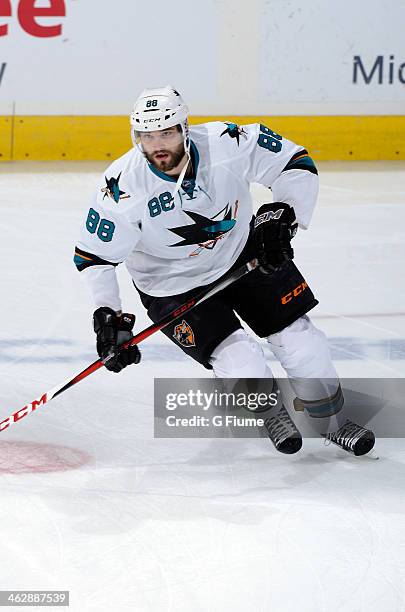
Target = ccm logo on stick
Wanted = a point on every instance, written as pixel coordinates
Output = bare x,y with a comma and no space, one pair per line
183,308
287,298
27,14
22,412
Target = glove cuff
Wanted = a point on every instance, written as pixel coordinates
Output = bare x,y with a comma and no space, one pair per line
126,321
276,211
103,317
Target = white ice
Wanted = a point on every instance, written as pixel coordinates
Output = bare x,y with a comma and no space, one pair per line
91,503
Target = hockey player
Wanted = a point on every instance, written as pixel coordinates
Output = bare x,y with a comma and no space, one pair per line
177,210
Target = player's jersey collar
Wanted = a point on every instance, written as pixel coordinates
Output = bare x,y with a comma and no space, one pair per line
195,159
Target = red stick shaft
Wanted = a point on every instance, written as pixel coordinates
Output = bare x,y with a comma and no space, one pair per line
148,331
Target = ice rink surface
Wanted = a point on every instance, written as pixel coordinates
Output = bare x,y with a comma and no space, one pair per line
91,503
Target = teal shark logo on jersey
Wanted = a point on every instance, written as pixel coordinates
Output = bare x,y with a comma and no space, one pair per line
112,190
205,231
234,131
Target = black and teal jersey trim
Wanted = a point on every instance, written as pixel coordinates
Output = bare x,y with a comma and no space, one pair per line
84,260
301,161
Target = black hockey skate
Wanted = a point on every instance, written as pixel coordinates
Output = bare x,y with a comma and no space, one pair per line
282,431
352,438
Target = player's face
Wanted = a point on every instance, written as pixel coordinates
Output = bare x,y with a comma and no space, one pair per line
163,148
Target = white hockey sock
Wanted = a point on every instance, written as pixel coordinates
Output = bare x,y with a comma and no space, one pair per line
303,352
239,356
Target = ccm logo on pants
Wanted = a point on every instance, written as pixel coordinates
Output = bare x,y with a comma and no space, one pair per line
289,296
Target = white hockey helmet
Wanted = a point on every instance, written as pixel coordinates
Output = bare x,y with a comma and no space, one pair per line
158,109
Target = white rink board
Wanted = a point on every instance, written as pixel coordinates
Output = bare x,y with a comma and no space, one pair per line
228,57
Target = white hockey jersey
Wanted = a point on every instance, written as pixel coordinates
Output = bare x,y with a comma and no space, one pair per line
173,245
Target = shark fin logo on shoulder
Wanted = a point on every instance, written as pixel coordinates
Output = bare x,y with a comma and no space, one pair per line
234,131
112,189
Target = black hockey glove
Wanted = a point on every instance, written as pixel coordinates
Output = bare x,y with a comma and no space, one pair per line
275,226
113,330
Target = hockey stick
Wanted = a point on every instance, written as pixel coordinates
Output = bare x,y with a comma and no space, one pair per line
169,318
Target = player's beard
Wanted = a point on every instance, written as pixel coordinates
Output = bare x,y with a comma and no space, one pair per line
171,161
